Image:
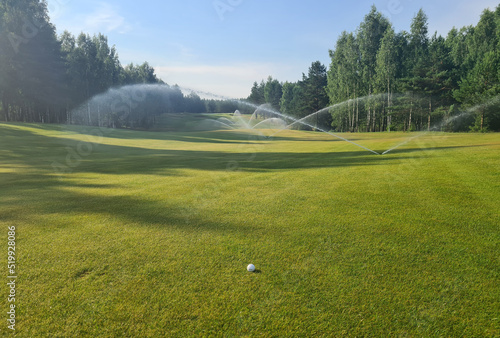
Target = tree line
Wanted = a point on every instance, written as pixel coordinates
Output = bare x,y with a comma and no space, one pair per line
400,81
378,80
44,77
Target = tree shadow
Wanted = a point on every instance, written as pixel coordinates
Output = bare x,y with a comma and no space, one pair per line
27,171
128,209
409,150
64,155
34,166
215,136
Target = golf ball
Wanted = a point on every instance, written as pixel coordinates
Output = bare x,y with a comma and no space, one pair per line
251,267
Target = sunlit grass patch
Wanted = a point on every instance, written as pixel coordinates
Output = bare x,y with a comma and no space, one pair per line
150,233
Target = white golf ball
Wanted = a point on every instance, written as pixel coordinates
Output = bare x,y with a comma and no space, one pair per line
251,267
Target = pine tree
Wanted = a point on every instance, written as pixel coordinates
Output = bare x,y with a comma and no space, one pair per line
257,95
315,92
440,82
286,106
273,92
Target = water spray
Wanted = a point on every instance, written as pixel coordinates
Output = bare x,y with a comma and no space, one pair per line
124,99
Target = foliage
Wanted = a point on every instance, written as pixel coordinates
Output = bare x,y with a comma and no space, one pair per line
297,99
257,94
43,77
404,81
273,92
31,63
389,80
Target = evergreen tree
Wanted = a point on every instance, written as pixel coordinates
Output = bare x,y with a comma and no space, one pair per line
315,84
272,92
257,95
440,85
419,37
286,106
31,67
194,104
482,84
480,87
299,101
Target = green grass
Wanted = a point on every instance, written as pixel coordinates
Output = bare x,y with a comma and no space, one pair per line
179,121
149,234
187,121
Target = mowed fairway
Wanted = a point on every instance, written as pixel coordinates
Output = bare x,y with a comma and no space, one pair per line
146,234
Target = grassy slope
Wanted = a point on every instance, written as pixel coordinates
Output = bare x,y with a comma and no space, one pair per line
148,234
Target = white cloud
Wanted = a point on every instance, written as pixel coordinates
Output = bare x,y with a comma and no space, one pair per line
106,18
245,71
233,81
183,52
102,18
57,8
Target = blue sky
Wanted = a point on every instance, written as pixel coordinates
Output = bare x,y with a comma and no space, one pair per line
223,46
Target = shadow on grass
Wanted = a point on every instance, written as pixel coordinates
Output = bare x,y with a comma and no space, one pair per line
430,148
216,136
27,176
28,149
237,136
51,196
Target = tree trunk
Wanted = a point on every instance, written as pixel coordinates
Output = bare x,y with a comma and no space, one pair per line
384,118
482,119
357,115
353,114
429,116
349,118
5,108
411,111
88,111
68,116
98,116
7,111
388,104
368,120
